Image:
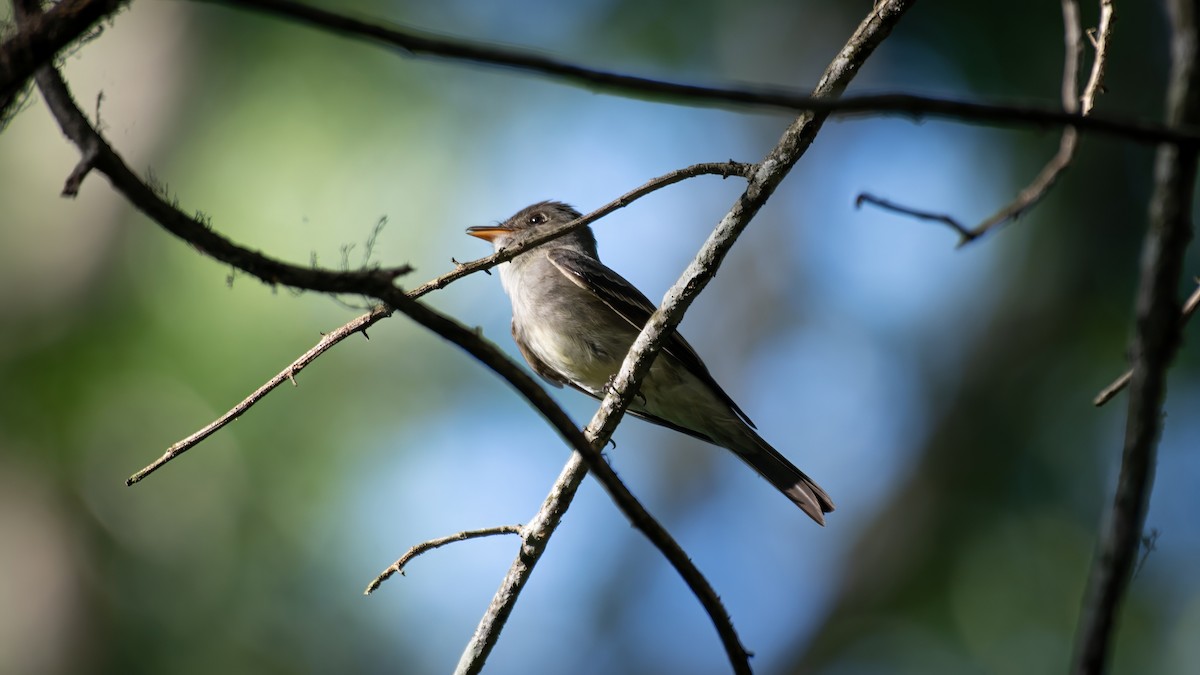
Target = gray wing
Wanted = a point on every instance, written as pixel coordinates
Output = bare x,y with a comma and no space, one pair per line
630,304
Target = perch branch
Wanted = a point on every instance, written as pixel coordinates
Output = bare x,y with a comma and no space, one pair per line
796,139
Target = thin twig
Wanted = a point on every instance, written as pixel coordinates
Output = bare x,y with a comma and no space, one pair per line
963,231
410,41
1099,38
1158,329
1107,394
380,284
1045,179
358,325
426,546
770,173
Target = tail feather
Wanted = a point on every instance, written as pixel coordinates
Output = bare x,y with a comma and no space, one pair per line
785,476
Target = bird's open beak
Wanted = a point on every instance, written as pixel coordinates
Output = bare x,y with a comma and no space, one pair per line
488,232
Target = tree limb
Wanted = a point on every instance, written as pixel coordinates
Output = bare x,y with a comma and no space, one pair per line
43,36
1155,341
917,107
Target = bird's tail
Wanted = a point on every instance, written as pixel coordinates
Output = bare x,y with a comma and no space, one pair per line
784,475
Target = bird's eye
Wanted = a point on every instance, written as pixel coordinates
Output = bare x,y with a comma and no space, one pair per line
537,219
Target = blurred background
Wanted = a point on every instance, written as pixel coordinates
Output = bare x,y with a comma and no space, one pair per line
941,396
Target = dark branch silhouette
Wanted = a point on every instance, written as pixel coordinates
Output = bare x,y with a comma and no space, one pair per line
43,36
918,107
1156,339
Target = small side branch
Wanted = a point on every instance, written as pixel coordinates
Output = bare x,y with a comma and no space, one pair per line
358,325
963,231
1107,394
426,546
1072,102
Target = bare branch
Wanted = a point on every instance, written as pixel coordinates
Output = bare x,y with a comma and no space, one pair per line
1155,342
917,107
963,231
534,540
358,325
766,178
1107,394
1068,144
1099,38
426,546
44,35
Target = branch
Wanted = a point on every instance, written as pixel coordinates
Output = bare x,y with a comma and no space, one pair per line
1069,143
1099,38
413,42
379,284
765,179
43,36
1107,394
1155,342
425,546
358,325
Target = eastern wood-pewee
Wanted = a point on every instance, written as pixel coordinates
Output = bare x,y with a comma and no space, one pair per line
574,320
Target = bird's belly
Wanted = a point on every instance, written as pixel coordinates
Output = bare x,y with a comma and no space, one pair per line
583,356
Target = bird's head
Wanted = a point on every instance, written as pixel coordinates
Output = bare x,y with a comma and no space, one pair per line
533,221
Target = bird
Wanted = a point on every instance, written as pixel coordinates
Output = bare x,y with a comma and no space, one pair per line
574,320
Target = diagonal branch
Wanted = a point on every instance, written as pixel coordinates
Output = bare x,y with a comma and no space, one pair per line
1108,393
358,325
1155,342
762,184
